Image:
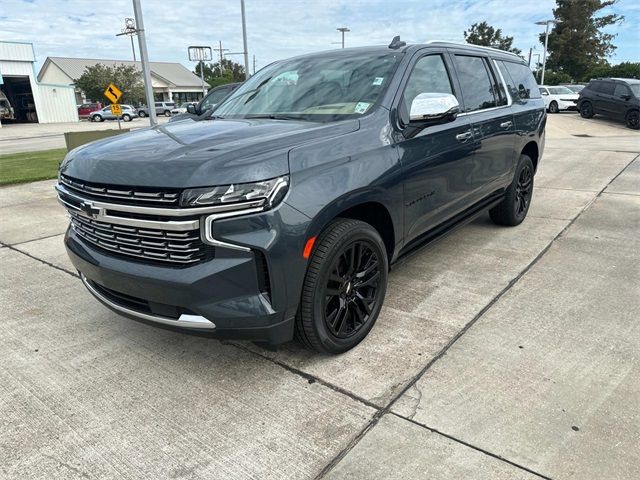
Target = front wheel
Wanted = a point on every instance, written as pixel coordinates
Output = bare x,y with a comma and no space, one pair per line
632,119
515,205
344,287
142,114
98,118
586,110
553,107
167,113
126,118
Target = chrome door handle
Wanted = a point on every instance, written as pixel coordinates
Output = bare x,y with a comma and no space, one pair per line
463,137
506,124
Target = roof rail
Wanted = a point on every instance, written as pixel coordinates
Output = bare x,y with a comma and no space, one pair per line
475,46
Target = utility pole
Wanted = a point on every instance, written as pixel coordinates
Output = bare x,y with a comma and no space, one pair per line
144,59
129,30
546,42
342,30
244,41
220,50
254,64
530,52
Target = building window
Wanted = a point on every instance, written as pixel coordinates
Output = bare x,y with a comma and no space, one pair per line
182,97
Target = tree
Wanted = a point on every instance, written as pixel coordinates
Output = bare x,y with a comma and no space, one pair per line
556,78
577,43
485,35
230,72
95,79
622,70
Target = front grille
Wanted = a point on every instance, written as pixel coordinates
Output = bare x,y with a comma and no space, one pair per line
156,245
130,195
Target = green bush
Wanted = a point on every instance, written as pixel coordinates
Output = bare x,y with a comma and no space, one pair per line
621,70
556,78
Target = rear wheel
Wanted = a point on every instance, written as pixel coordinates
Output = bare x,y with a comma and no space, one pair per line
553,107
126,117
98,118
167,113
142,113
344,287
513,209
586,110
633,119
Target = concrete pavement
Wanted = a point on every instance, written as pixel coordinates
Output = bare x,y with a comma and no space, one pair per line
500,353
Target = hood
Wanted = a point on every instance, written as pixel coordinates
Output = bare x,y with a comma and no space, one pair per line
188,154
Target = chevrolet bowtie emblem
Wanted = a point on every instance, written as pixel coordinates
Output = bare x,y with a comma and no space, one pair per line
89,209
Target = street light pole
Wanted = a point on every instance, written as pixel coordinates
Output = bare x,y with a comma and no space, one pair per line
546,42
342,30
244,41
144,60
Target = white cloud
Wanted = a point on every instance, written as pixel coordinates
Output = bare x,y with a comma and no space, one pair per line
276,28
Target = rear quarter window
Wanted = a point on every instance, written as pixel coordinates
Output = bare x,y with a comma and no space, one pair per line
520,82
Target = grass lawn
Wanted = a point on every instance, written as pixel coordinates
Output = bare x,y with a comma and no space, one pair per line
30,166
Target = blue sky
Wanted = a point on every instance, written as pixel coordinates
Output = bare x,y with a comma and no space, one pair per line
277,28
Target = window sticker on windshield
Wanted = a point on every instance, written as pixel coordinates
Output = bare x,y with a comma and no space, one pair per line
378,81
361,107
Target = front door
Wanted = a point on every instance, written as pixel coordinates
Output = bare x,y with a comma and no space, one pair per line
437,162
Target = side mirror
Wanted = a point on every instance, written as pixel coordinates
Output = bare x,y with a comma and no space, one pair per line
191,108
544,93
434,108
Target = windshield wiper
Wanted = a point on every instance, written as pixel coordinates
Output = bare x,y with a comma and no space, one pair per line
277,116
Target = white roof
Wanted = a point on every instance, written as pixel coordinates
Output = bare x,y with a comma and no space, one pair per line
175,74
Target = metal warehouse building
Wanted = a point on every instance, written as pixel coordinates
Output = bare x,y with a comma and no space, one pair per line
23,99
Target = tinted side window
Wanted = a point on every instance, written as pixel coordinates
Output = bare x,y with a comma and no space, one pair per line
525,86
604,87
621,90
158,104
428,76
475,82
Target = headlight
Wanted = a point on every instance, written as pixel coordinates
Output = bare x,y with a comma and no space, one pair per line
267,193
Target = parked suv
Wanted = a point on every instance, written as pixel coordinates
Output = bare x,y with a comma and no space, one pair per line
128,114
618,98
162,108
85,110
282,212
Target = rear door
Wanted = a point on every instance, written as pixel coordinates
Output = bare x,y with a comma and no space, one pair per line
437,162
488,108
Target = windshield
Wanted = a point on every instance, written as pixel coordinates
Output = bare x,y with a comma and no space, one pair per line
560,91
314,88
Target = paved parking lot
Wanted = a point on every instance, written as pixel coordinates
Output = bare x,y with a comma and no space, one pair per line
501,353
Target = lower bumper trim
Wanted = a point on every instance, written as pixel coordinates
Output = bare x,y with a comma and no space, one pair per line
185,321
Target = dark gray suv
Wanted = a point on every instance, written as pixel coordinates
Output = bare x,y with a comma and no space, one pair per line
279,214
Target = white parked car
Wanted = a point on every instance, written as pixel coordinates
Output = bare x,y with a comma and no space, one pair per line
559,98
182,108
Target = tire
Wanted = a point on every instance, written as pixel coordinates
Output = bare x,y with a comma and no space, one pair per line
513,209
341,301
167,113
142,114
126,117
553,107
632,119
98,118
586,110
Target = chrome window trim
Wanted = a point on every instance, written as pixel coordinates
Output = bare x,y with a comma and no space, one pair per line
483,110
184,321
504,84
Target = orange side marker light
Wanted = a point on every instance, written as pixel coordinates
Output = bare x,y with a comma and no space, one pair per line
308,247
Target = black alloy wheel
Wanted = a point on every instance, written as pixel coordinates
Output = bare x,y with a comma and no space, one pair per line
344,287
351,289
513,209
586,110
633,119
524,191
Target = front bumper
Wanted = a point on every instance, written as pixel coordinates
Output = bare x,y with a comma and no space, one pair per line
224,296
567,105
